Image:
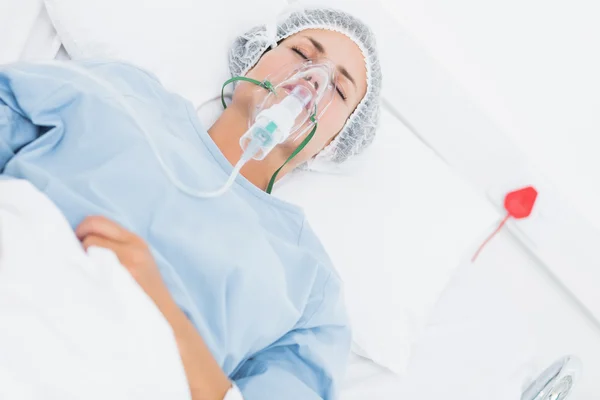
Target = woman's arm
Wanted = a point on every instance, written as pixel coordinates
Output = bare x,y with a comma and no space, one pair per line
305,364
205,377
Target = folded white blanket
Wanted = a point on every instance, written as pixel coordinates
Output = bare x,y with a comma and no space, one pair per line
74,325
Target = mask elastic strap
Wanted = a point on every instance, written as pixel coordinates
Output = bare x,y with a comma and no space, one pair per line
265,85
294,154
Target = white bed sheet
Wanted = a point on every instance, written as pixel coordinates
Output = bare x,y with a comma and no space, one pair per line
557,324
498,324
477,341
367,380
74,320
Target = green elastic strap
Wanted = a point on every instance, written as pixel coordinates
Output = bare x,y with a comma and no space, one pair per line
266,85
294,154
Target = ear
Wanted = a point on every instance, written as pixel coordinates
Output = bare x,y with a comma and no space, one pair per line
259,58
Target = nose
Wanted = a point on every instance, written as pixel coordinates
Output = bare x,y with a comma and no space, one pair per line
315,83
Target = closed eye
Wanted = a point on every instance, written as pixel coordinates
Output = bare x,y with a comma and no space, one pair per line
299,52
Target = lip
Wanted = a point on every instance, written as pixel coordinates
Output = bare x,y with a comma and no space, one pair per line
289,88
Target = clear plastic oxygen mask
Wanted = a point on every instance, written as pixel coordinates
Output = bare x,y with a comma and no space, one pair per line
290,108
274,124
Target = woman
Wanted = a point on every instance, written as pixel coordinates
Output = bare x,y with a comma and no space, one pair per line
243,281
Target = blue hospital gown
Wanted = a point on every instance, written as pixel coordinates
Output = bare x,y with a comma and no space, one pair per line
246,267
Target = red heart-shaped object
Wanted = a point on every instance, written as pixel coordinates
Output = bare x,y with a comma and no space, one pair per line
519,203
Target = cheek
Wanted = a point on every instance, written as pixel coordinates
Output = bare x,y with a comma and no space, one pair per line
330,124
334,119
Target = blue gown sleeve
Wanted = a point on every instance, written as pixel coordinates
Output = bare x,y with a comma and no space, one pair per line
24,89
16,131
308,362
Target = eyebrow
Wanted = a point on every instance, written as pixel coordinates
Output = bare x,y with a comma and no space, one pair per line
345,72
321,50
317,44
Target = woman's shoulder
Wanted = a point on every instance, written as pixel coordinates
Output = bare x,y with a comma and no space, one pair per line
326,303
310,241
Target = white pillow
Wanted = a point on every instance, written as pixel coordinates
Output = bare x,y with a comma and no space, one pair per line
184,42
396,230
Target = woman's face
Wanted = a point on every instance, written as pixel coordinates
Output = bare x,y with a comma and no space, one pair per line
350,81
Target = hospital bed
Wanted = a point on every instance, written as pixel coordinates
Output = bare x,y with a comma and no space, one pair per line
562,314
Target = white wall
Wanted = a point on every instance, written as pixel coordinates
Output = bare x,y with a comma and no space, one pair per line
534,67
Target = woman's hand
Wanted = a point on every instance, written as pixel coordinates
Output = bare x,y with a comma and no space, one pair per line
132,252
205,377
